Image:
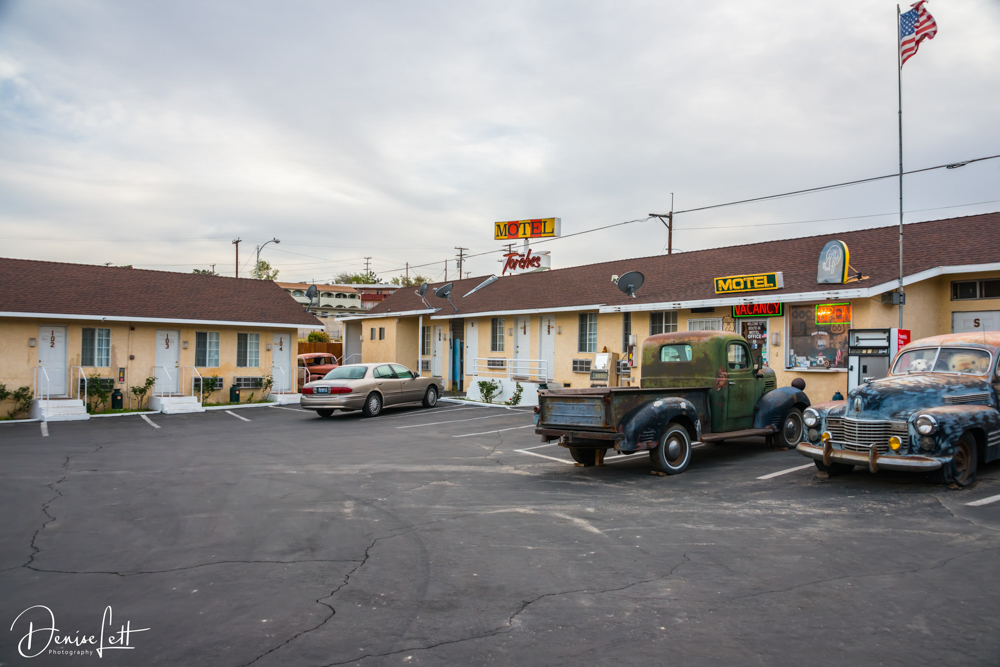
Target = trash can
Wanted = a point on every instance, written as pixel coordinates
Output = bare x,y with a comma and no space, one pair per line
117,400
234,394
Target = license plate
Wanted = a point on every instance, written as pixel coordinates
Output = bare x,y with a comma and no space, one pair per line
322,390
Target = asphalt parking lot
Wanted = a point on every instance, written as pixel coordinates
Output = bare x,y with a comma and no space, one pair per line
450,536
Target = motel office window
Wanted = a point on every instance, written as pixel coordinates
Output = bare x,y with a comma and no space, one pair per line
206,349
626,330
662,322
975,289
705,324
248,350
496,334
96,350
587,340
817,336
425,342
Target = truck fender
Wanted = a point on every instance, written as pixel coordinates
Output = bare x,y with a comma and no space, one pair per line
656,416
954,420
775,405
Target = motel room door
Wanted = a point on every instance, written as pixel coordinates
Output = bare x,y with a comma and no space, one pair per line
547,344
471,347
281,359
168,361
522,347
52,357
437,351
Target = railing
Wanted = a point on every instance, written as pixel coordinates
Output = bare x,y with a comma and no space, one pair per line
284,389
511,369
350,359
38,393
72,384
170,381
301,373
201,382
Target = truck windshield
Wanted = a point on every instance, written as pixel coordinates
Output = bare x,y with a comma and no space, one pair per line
675,353
968,361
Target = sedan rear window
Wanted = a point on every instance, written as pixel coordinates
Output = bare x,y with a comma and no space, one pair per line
346,373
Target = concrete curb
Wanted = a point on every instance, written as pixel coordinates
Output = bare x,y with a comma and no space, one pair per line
128,414
461,401
240,406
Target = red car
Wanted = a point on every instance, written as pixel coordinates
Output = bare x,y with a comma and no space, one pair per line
318,363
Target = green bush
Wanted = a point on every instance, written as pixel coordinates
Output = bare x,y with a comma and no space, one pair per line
488,389
97,397
139,391
318,337
22,399
515,399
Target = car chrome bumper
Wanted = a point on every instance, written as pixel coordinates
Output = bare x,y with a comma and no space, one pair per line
334,401
872,459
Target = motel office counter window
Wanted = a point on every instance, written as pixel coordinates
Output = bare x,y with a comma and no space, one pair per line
96,351
496,334
206,349
817,336
587,341
665,322
248,350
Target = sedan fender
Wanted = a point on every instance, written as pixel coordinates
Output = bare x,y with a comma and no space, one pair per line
954,420
775,405
641,428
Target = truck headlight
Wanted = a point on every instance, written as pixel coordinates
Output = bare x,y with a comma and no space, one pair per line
810,417
926,424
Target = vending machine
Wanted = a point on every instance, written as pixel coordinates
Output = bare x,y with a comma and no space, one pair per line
870,351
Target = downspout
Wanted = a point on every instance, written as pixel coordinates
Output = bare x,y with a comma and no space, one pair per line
420,344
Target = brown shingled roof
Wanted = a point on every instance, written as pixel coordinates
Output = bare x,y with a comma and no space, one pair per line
689,276
29,286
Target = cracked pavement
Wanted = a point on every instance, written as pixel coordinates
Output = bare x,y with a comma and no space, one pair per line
296,540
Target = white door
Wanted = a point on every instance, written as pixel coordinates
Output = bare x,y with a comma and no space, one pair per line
471,347
52,357
974,322
281,359
168,358
522,346
437,351
547,344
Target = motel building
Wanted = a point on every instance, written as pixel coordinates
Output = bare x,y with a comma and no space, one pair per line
63,323
821,308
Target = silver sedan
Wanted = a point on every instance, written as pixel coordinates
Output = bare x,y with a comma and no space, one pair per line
369,388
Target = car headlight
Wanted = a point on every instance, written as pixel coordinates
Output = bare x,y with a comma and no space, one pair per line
810,417
895,443
926,424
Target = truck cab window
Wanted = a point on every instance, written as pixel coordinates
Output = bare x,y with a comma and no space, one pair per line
738,357
675,353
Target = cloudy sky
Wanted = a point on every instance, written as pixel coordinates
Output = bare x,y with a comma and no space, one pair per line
154,133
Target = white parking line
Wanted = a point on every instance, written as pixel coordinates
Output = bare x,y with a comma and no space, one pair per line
149,421
469,435
278,407
230,412
785,472
983,501
45,430
543,456
423,412
454,421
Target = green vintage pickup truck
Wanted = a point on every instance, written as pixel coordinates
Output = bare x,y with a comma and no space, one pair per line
697,386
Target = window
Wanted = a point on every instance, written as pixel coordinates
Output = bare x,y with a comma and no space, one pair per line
297,292
381,333
496,334
739,360
944,360
587,339
96,350
675,353
975,289
206,349
425,342
382,372
817,336
626,330
248,350
705,324
402,372
347,373
581,365
662,322
373,333
248,382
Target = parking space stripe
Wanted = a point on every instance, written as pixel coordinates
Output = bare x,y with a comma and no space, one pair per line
983,501
543,456
514,428
149,421
455,421
423,413
786,471
278,407
230,412
45,430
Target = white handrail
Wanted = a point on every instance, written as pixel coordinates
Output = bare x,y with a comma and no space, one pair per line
77,385
201,382
510,368
304,372
282,391
348,360
38,394
169,377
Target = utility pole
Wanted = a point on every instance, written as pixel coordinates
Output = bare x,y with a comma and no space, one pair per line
236,242
213,269
446,270
669,224
461,261
367,270
407,274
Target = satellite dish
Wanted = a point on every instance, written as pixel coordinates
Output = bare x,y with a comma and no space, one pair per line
312,293
630,282
444,291
423,289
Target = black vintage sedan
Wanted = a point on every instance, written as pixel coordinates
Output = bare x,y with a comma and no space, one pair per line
937,412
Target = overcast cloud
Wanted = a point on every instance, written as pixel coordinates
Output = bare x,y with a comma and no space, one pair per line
153,133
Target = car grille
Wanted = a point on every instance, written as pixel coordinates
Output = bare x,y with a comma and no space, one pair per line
857,435
770,383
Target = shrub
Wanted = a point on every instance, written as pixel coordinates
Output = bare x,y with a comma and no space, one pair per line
488,389
139,391
96,393
515,398
22,401
318,337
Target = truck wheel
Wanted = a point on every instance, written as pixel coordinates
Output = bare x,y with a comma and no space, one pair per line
325,412
791,429
431,397
373,405
673,453
585,457
834,468
961,470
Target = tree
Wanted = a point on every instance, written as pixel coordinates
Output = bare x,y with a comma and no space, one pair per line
318,337
361,278
204,272
403,281
265,272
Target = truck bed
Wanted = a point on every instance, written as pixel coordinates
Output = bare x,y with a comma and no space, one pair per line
597,411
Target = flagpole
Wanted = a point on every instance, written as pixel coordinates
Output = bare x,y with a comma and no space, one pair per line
899,83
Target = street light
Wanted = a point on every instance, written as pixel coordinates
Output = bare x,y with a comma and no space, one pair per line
257,265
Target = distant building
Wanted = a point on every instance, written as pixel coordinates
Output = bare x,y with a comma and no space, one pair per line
339,300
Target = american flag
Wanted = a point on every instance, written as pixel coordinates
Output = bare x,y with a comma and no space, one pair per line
915,26
839,358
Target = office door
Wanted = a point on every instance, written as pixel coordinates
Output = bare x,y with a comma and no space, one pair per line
52,356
